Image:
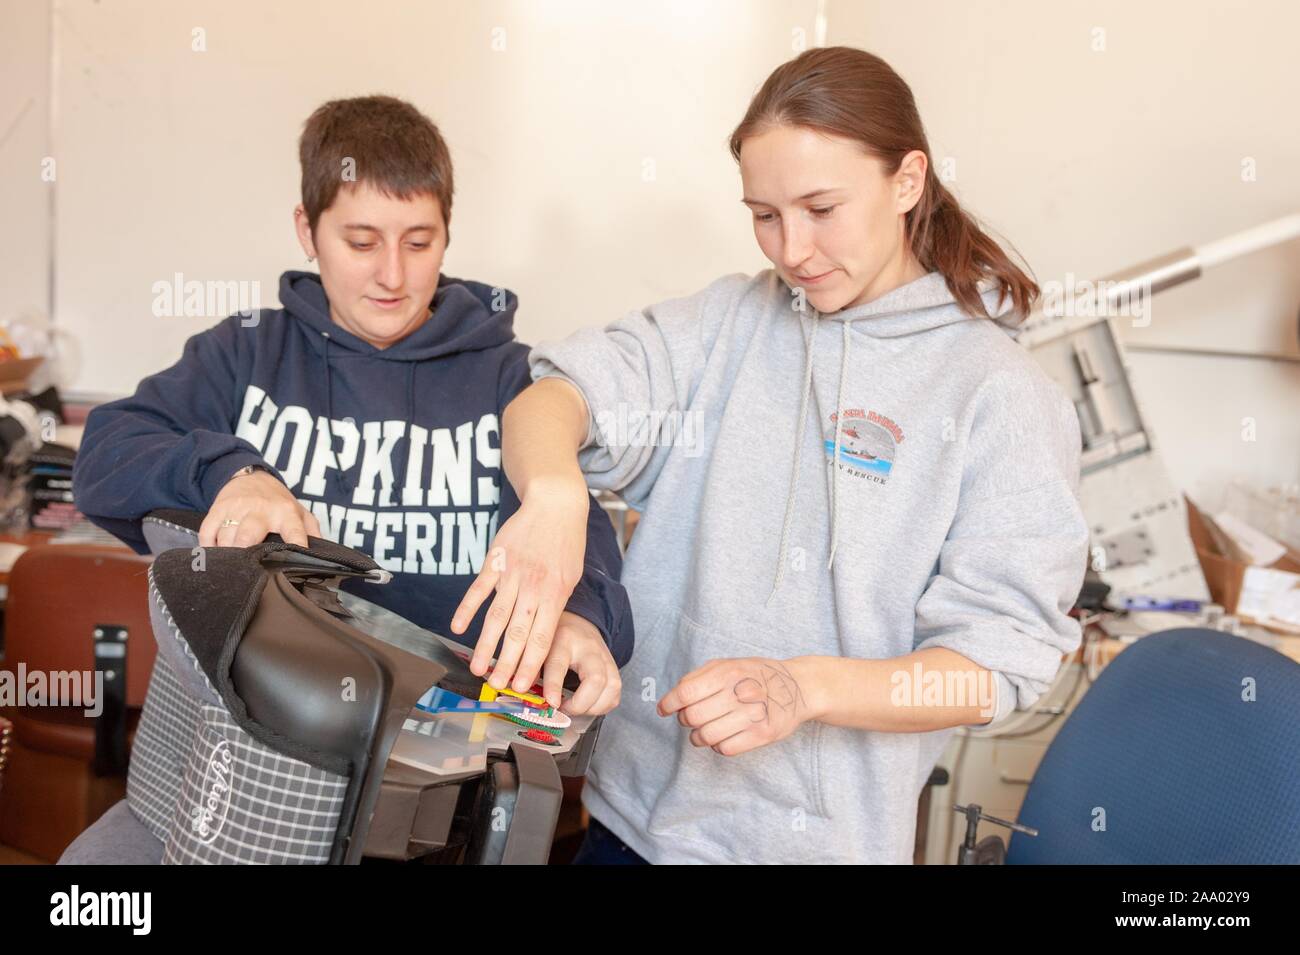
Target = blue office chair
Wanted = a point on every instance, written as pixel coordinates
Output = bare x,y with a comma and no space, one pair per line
1186,750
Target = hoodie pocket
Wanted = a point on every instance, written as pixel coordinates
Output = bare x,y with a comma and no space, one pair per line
759,806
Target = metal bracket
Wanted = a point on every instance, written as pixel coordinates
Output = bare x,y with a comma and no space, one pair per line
110,726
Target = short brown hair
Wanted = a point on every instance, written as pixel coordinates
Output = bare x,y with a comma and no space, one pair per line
391,144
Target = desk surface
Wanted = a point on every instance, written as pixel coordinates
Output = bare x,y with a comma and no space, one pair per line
40,538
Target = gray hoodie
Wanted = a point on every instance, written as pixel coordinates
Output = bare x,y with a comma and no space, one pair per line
952,520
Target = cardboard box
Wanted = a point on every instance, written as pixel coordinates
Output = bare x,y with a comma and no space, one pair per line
15,372
1221,562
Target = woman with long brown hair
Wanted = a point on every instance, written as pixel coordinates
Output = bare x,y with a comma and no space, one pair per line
859,515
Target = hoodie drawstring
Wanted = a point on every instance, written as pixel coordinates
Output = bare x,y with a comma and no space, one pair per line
329,409
399,476
835,458
399,479
810,347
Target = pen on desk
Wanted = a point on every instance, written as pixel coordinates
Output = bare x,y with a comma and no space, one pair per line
1168,604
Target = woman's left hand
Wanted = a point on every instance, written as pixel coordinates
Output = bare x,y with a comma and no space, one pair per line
735,705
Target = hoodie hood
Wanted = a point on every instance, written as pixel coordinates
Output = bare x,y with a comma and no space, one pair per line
921,305
467,316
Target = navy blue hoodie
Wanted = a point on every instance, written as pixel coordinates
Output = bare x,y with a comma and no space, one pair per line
396,451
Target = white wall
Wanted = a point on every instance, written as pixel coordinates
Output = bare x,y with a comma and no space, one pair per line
24,195
172,160
592,172
1093,160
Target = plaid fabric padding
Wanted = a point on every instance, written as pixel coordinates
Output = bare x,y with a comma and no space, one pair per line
163,740
208,790
241,802
168,722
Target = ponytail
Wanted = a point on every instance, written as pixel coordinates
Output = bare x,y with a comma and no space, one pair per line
945,239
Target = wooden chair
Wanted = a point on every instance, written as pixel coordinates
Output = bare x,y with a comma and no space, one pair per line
73,609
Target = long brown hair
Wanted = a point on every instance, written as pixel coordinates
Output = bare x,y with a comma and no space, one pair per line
853,94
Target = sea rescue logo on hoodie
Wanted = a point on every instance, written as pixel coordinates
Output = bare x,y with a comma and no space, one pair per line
868,443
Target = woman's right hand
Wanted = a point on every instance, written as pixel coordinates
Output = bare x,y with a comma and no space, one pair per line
535,562
258,504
